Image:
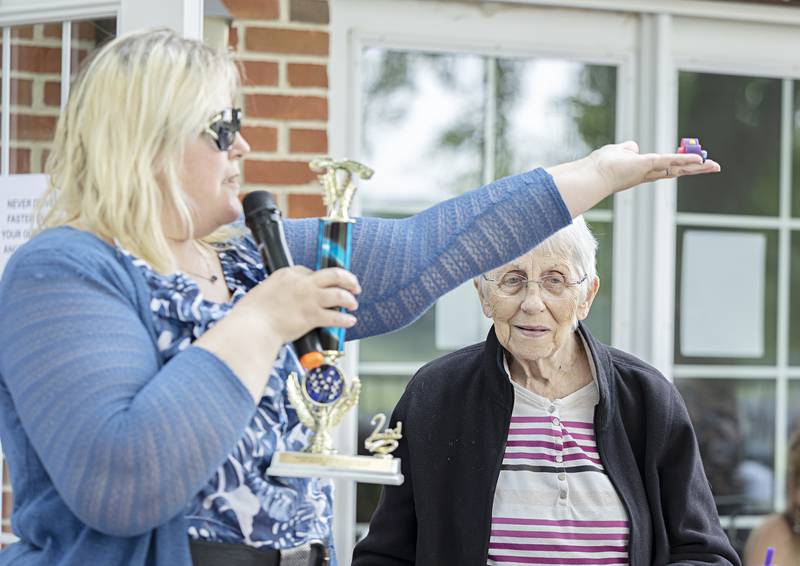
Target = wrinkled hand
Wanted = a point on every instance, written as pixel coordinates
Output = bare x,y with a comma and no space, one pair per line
621,166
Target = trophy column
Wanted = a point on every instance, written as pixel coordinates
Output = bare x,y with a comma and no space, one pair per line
323,395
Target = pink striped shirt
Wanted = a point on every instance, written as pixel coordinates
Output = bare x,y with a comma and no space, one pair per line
554,502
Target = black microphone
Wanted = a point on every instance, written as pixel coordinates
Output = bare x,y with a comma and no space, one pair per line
263,218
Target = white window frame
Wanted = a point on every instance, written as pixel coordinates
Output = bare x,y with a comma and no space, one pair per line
669,40
460,28
184,16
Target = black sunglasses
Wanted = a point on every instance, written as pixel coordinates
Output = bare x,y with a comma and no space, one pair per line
224,126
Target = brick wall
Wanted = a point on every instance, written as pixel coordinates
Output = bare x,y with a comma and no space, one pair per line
283,48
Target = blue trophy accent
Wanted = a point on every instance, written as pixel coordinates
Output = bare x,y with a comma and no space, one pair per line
324,384
334,245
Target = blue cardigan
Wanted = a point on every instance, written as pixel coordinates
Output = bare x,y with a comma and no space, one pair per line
105,447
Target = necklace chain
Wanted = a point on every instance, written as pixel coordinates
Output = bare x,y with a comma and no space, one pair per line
212,278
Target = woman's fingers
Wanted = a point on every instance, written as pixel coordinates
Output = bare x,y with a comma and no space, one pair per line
670,166
334,298
337,277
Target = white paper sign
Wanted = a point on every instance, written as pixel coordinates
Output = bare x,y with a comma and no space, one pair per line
19,195
722,294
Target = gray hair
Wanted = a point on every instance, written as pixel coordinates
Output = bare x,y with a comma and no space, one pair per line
576,243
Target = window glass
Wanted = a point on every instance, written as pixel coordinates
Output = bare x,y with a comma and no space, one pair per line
737,120
734,420
705,326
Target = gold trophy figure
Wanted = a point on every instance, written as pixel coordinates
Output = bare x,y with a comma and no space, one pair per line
323,395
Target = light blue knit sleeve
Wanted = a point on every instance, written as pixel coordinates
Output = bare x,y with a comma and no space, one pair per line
125,442
405,265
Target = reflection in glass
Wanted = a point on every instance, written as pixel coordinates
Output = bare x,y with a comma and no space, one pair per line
379,394
423,120
794,302
796,152
551,111
794,406
769,322
36,84
734,421
599,319
738,121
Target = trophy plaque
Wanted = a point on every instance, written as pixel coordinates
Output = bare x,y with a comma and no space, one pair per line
323,395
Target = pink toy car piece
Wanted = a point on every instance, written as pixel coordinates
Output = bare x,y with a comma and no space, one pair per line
692,145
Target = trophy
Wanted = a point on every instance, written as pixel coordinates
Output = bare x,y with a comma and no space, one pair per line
323,395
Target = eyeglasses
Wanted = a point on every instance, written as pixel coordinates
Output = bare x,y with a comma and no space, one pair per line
224,126
552,285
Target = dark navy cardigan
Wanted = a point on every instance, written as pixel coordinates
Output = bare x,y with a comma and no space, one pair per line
456,413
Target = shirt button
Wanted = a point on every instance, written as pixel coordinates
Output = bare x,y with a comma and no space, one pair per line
563,494
556,421
559,458
551,409
562,476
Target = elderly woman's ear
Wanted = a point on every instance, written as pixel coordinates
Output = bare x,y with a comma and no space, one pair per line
591,292
488,312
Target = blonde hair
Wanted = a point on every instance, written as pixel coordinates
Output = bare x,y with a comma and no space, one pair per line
119,143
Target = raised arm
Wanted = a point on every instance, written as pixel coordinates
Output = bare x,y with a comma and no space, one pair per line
405,265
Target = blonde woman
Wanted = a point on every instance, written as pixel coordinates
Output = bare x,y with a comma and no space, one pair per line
143,354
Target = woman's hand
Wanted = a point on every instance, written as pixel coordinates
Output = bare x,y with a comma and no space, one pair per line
294,300
280,309
613,168
621,166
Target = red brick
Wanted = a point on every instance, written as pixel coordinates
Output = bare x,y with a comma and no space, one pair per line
301,74
233,38
261,139
278,172
310,11
28,127
296,42
306,206
52,31
284,107
308,141
253,9
22,32
36,59
19,161
22,92
259,73
85,30
52,93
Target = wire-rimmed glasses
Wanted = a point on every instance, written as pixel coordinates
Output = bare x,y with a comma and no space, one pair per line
553,285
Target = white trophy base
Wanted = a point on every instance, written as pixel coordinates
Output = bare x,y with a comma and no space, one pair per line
364,469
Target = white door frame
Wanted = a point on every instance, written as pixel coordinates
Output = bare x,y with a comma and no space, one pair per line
484,30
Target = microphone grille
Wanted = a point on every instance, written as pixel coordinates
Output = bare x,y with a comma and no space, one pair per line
255,202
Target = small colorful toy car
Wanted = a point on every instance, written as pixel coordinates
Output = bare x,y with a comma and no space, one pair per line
692,145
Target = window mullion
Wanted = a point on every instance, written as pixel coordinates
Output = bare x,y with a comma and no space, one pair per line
66,61
784,275
490,120
6,109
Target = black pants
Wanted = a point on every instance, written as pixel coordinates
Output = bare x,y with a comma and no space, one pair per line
206,553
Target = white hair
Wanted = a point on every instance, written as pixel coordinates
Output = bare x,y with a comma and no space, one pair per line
578,245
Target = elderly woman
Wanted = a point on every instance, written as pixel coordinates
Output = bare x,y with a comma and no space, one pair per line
542,445
781,531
